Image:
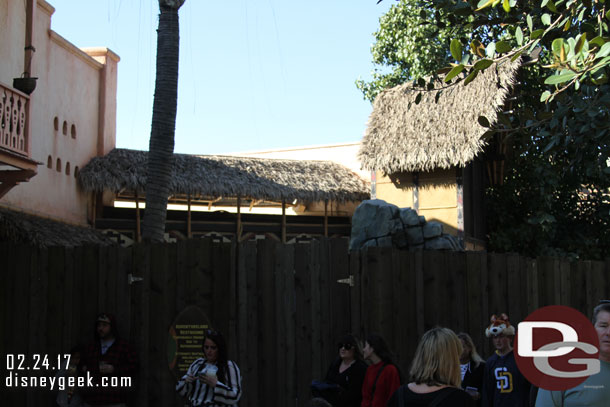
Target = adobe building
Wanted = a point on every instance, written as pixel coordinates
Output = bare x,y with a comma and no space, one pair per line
51,131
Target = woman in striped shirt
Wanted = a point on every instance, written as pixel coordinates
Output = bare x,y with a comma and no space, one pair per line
212,381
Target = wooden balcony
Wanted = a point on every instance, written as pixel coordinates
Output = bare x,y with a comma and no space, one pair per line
16,165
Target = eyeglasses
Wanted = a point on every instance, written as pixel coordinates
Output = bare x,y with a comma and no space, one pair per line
346,346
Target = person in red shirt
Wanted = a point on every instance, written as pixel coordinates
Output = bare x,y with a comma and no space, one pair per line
382,376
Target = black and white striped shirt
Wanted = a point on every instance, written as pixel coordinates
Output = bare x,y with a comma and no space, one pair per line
226,393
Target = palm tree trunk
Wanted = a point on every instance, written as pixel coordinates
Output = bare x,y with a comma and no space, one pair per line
161,147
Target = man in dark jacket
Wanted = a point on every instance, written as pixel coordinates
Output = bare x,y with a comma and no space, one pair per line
112,363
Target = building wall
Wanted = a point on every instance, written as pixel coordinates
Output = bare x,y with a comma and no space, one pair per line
437,195
12,35
343,153
72,116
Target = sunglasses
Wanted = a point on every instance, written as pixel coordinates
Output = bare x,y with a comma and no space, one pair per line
346,346
604,302
211,332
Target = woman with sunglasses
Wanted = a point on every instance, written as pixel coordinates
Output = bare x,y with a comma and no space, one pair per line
348,372
213,380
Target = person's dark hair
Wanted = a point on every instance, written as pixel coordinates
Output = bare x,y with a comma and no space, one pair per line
109,318
381,349
604,305
221,358
352,340
77,349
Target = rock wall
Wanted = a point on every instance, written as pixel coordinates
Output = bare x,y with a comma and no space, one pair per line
378,223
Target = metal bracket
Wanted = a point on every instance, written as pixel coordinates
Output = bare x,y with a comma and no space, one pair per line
132,279
349,281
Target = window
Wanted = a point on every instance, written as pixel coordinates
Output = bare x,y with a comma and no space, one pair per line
67,168
50,162
58,165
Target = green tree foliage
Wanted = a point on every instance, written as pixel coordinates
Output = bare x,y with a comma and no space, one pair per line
555,194
411,43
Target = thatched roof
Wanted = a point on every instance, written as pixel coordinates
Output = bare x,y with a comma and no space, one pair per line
33,230
224,176
442,130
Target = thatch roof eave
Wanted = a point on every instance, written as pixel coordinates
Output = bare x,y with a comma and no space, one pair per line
23,228
229,176
441,130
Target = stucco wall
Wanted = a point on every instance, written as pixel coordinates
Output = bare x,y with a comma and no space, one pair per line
12,35
437,192
65,123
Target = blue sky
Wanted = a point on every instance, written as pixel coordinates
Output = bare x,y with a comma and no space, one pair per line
254,74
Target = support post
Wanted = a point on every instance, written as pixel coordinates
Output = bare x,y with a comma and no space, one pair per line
239,226
138,224
283,221
189,231
460,204
326,218
416,192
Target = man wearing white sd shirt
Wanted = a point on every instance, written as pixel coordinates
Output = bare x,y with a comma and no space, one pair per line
595,391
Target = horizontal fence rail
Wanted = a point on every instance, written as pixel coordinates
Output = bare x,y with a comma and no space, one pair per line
282,307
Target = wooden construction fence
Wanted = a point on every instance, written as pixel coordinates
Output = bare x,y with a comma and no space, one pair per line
280,306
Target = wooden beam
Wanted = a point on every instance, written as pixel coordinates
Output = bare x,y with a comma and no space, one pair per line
239,226
326,218
460,204
16,176
93,209
228,227
9,179
416,192
254,202
212,202
5,187
138,225
189,233
283,221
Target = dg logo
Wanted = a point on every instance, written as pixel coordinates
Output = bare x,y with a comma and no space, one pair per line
556,348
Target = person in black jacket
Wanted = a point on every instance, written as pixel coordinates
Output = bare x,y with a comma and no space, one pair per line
435,374
348,372
503,384
472,367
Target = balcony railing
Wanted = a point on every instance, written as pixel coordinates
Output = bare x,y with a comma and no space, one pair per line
13,120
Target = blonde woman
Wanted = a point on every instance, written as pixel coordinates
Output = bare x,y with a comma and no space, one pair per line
435,373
